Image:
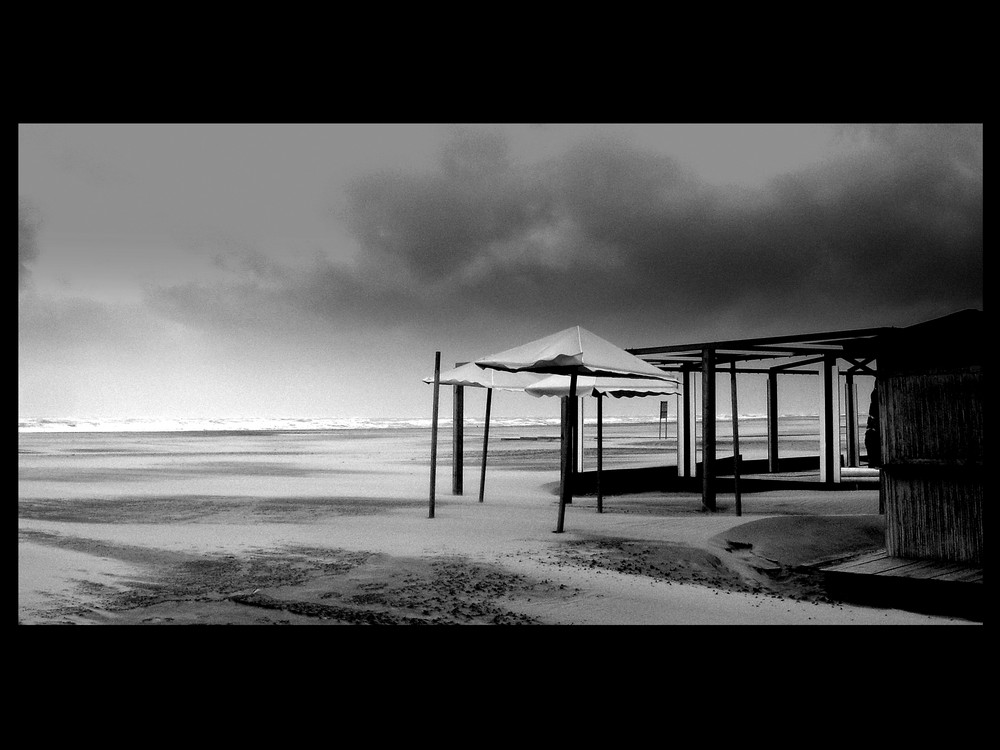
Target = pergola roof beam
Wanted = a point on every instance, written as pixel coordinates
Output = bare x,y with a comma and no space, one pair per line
784,368
832,338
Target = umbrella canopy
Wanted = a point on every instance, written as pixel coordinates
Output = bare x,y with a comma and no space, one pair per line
574,350
558,385
477,377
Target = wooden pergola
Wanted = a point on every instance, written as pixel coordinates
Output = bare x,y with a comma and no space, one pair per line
773,356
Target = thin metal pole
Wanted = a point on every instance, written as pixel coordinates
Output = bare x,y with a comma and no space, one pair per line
566,495
434,429
600,450
486,442
736,440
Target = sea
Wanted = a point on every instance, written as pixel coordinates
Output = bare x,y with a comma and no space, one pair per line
255,456
286,424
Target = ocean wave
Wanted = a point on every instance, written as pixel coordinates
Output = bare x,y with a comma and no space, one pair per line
202,424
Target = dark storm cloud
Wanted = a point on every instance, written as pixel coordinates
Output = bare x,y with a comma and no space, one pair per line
609,225
436,224
612,236
27,245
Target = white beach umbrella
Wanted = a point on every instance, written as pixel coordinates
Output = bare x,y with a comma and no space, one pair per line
573,352
474,376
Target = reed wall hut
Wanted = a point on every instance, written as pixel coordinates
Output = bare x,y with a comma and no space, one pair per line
930,399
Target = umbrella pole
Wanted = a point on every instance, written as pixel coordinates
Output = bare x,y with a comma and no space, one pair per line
566,492
486,442
564,449
600,449
434,429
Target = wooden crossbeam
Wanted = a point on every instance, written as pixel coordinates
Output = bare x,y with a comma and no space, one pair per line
861,367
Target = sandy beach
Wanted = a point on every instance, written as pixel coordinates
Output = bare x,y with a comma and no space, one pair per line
325,528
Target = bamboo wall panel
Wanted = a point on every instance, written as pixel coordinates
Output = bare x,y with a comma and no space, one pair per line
932,452
937,517
932,417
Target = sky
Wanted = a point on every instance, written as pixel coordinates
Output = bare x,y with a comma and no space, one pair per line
313,270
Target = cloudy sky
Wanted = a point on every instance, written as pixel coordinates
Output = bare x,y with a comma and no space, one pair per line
282,270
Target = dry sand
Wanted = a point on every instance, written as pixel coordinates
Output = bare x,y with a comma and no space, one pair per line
371,555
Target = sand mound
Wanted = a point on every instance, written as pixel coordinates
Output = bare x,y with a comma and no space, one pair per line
794,541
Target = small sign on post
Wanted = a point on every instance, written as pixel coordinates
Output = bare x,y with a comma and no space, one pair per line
663,418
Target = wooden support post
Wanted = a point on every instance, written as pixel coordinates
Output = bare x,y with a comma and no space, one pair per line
685,427
708,429
458,440
574,441
579,436
829,437
566,490
736,439
573,438
434,429
696,447
772,422
881,407
826,426
665,419
600,450
851,406
773,462
838,440
678,402
486,443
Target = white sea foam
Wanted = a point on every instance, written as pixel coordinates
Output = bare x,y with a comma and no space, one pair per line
202,424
